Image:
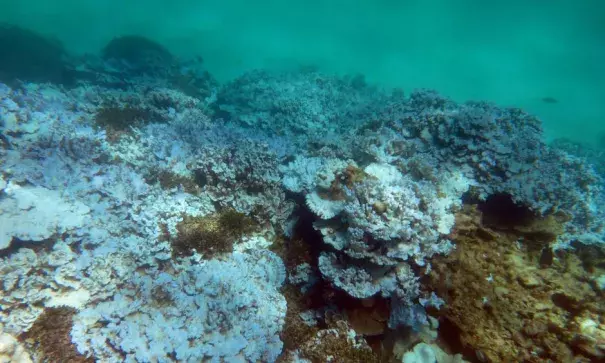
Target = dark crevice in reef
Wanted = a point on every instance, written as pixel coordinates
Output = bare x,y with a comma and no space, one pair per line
37,246
538,232
591,256
499,210
304,228
449,335
305,244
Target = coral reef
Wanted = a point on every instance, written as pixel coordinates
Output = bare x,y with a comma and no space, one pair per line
149,214
295,330
243,174
36,214
101,262
594,155
116,118
423,352
501,150
131,60
169,180
304,112
312,336
374,221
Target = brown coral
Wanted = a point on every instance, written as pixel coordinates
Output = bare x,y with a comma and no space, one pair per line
507,305
169,180
51,336
117,119
211,235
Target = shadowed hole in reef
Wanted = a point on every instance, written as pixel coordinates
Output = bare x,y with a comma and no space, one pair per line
37,246
501,211
303,230
567,303
450,334
305,246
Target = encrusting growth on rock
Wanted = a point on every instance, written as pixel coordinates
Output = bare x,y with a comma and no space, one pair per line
507,302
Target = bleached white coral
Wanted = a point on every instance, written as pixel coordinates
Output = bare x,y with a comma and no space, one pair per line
324,208
36,213
17,267
60,255
21,320
114,262
227,310
423,352
23,292
252,243
354,280
379,224
11,351
304,174
410,218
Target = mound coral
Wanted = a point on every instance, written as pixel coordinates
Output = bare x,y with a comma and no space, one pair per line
141,54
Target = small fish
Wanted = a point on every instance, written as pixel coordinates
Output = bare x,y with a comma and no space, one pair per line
550,100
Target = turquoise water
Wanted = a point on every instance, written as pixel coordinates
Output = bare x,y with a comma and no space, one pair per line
514,53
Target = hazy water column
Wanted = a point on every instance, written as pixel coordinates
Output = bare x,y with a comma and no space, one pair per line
512,52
